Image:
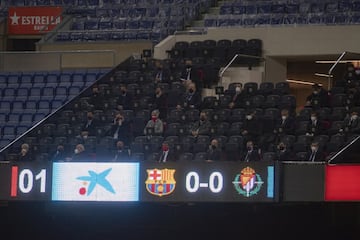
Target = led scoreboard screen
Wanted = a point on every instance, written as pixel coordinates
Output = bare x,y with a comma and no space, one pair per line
145,181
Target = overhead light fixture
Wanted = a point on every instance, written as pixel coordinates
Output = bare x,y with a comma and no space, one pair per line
302,82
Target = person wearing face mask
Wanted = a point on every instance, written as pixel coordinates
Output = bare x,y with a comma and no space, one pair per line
166,154
315,125
90,124
125,99
121,153
318,98
351,125
315,154
96,100
238,97
201,126
190,75
191,99
155,126
352,98
251,153
252,128
285,125
214,151
161,102
284,153
121,129
59,154
80,155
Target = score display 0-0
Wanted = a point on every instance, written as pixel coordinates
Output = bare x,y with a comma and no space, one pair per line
144,181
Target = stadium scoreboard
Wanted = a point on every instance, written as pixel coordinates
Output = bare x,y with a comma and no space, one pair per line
139,181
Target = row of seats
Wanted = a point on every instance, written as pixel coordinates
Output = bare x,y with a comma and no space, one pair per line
278,19
288,7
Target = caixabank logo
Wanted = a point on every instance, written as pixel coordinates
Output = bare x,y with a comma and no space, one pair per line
248,183
95,182
160,182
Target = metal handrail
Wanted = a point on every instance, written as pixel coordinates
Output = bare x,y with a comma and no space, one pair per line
222,71
343,149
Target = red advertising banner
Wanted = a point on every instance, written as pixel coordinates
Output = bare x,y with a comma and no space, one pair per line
342,183
33,20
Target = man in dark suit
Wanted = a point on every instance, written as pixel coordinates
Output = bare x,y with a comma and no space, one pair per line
120,130
315,154
190,74
351,125
238,97
90,125
251,154
166,154
214,152
191,98
252,128
59,154
125,100
285,125
121,152
315,126
284,153
161,74
161,103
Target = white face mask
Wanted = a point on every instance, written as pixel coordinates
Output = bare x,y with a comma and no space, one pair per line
354,117
237,89
283,117
313,149
313,118
76,151
248,117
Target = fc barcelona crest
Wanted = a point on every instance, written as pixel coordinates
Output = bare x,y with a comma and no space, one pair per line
160,182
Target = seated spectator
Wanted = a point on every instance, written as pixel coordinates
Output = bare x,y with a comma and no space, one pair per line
122,153
161,102
351,125
318,98
96,100
191,98
25,153
214,152
161,74
315,154
80,154
82,137
166,154
238,98
125,99
284,153
91,124
315,126
285,125
155,126
189,75
251,154
353,98
200,127
252,128
60,154
121,129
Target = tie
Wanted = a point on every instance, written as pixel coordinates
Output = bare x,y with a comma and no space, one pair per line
312,156
188,74
247,156
162,158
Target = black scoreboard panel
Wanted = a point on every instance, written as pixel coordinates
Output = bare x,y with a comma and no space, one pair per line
143,182
209,182
25,181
